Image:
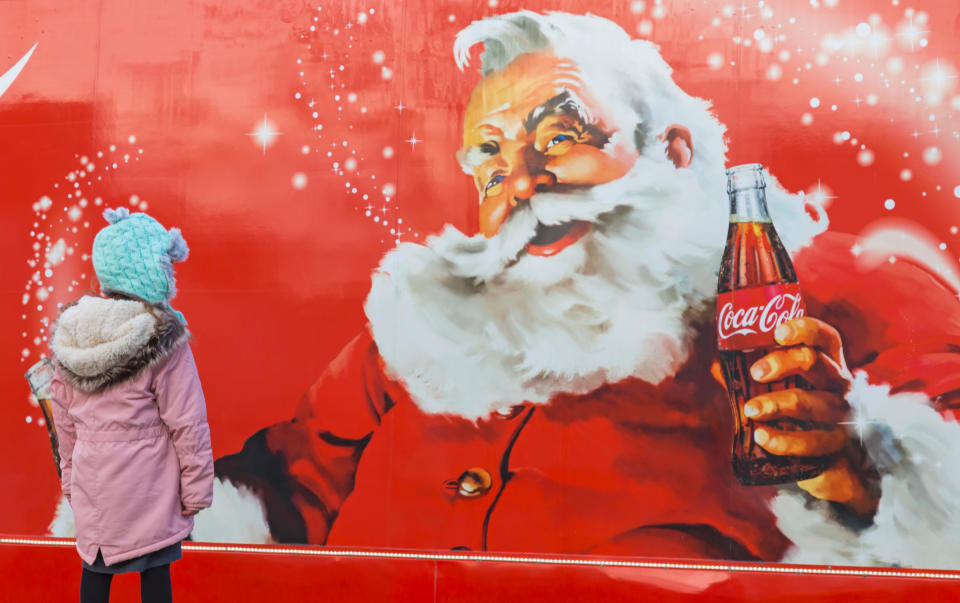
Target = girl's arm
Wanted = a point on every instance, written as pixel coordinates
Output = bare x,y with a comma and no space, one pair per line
183,410
66,432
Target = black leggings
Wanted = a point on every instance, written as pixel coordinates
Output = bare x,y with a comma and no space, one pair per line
154,586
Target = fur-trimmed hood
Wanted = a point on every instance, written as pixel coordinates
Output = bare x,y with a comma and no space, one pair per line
101,342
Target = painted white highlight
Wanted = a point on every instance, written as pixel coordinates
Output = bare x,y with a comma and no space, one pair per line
7,78
893,237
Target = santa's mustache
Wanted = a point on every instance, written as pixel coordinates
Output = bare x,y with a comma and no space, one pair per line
643,189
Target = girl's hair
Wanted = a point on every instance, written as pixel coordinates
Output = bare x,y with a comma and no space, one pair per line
154,309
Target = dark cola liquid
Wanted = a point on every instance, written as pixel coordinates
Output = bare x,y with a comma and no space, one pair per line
753,465
755,257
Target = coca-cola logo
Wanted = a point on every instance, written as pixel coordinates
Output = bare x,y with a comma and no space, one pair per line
760,318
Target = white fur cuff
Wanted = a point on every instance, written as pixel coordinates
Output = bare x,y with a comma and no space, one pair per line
62,524
237,515
918,519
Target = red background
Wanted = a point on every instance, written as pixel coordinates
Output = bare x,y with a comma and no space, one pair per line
277,275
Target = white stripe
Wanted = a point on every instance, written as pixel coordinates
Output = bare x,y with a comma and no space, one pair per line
7,78
317,551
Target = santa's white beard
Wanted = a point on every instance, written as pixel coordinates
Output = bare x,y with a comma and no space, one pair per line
471,325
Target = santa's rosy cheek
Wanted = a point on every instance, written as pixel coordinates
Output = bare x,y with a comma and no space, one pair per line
585,164
493,212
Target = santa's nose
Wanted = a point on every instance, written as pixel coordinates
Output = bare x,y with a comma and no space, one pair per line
526,184
519,185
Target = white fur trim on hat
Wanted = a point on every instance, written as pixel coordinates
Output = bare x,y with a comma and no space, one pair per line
917,523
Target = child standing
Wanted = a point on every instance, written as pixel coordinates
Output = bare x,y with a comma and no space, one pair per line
129,410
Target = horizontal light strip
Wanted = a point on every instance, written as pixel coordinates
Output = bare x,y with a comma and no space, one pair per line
327,552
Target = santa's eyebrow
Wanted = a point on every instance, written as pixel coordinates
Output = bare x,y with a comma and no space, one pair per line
472,157
561,104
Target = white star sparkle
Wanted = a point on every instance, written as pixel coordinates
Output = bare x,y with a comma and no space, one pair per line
820,196
860,423
911,32
265,133
939,76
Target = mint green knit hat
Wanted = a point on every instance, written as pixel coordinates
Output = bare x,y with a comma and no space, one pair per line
135,255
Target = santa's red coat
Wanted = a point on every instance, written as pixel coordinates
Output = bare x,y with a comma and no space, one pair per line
630,468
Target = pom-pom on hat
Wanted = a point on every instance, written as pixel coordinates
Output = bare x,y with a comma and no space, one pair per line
135,255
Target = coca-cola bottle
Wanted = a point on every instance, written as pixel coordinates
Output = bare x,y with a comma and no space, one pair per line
756,292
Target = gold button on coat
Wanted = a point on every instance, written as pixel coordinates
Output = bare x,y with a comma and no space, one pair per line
472,483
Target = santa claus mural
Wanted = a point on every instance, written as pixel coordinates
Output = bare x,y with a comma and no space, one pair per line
548,384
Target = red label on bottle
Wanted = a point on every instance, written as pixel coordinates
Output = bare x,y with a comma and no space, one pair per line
746,318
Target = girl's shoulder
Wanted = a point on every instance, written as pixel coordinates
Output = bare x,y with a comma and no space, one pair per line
101,342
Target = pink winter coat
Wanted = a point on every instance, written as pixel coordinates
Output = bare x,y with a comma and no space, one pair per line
131,419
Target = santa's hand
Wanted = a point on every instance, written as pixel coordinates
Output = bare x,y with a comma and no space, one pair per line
812,350
819,410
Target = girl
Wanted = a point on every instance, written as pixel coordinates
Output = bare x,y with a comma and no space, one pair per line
129,410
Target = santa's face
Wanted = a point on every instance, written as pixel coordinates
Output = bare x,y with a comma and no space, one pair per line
595,261
534,127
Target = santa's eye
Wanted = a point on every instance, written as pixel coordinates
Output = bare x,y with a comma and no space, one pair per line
490,147
493,182
558,139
